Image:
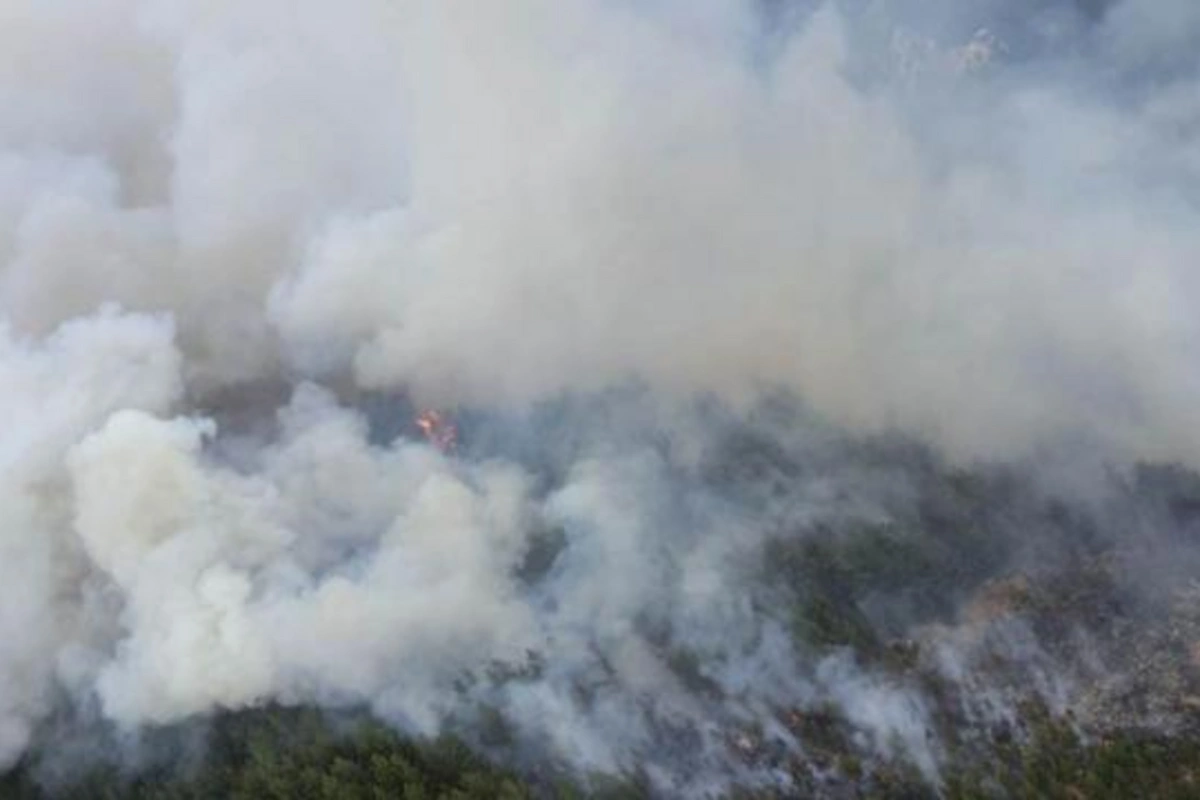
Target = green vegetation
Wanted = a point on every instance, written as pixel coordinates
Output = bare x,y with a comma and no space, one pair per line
1055,763
963,559
925,563
304,754
298,754
283,754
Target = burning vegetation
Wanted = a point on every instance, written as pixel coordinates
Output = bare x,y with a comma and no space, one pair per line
827,373
438,430
1024,672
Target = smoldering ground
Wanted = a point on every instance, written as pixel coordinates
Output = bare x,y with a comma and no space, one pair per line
244,242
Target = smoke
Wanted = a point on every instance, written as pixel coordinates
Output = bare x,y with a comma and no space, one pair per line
606,229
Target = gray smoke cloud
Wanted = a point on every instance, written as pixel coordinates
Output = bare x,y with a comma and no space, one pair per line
984,236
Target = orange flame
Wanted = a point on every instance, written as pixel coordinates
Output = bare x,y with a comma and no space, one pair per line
438,430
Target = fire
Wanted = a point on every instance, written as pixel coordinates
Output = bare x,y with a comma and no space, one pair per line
438,430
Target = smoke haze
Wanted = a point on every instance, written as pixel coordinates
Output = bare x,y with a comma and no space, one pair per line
241,241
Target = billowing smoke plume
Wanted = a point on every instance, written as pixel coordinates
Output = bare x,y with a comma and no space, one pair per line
238,239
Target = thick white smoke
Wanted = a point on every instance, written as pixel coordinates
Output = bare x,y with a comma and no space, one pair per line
54,393
498,204
491,205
